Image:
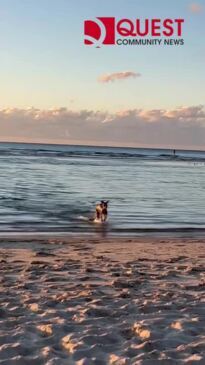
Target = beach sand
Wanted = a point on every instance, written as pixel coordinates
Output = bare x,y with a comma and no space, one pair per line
102,301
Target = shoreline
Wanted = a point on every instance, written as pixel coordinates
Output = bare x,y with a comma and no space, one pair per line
112,301
156,235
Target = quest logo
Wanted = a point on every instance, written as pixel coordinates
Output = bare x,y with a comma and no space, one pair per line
123,32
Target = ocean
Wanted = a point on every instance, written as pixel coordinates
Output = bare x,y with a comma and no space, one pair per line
54,188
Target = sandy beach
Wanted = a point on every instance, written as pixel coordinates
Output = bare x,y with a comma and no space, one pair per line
102,301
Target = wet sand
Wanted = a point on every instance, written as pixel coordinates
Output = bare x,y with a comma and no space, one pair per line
102,301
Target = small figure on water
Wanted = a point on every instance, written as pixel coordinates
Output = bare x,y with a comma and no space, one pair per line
101,211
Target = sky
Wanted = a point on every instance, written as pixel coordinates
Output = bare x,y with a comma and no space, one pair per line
54,89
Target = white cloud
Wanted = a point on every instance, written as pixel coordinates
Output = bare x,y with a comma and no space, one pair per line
180,127
118,76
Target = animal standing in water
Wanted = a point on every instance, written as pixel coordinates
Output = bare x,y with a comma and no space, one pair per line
101,211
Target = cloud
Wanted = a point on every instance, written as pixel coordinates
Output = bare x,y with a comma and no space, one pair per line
118,76
195,8
180,127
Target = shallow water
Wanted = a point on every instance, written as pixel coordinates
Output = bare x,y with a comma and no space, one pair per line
55,188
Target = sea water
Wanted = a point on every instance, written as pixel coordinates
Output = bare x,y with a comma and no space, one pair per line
54,188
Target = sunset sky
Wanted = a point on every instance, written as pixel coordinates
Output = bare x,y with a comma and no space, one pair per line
55,89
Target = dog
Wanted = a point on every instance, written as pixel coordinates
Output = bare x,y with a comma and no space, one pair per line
101,211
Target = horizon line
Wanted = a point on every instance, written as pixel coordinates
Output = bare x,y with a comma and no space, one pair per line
106,146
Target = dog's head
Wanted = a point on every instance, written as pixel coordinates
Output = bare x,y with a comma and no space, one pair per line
104,204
